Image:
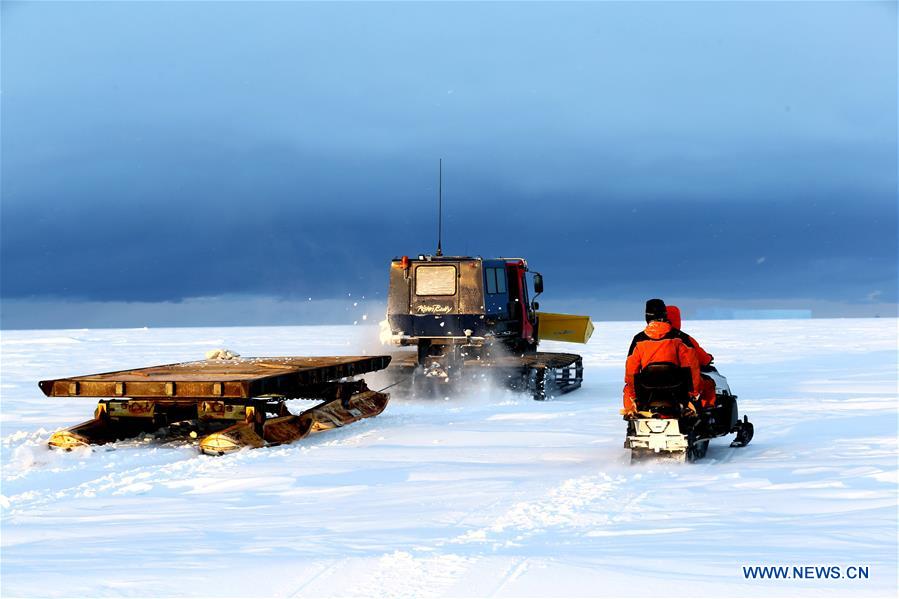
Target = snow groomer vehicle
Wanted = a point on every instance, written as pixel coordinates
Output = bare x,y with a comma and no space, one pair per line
233,402
666,428
471,317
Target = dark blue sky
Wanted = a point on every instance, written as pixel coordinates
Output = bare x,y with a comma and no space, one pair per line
162,151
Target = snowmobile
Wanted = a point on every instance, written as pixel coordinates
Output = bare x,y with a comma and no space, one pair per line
666,426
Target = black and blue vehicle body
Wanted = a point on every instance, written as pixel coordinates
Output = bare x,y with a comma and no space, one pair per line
462,311
454,300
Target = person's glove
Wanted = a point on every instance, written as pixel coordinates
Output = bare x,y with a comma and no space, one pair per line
628,414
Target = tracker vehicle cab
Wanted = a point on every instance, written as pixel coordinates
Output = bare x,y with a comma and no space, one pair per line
463,301
461,312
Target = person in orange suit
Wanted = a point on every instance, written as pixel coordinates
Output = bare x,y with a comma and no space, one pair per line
658,342
707,385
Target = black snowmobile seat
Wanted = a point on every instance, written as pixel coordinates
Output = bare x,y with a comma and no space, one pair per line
661,384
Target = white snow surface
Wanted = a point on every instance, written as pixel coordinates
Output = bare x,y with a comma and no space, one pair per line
487,495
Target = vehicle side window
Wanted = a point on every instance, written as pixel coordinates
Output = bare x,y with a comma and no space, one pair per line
491,280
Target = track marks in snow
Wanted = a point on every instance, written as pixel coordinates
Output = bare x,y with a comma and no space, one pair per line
578,507
326,570
513,573
400,574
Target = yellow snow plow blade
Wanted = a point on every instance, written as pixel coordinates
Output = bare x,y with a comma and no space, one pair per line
563,327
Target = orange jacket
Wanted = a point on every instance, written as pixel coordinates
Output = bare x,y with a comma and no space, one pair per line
703,357
658,342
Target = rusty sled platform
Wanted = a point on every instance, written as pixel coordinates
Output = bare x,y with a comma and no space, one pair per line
234,403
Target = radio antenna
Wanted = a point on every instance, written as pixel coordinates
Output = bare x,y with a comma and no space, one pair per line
440,209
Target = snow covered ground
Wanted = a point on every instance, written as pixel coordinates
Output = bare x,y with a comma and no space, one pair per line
487,495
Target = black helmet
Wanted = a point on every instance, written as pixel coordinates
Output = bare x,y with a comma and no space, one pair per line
655,310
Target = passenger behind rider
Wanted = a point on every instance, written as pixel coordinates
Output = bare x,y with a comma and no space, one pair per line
707,385
658,342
